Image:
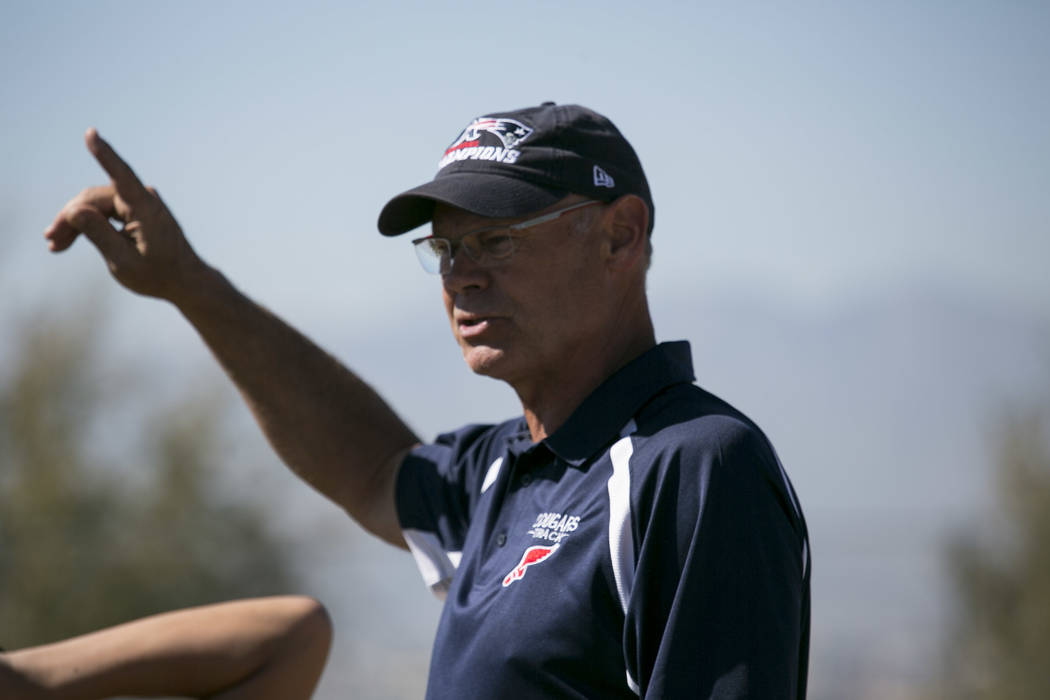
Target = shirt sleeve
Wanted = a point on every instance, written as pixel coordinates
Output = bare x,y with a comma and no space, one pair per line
720,603
438,486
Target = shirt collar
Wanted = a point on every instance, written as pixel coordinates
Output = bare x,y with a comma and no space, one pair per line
607,410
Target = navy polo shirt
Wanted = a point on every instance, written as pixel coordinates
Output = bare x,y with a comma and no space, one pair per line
651,547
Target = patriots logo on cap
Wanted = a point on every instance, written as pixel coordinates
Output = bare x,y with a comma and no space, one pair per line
510,132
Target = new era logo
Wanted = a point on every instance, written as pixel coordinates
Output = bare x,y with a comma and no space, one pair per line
603,179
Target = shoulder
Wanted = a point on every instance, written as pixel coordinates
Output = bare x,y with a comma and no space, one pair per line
690,422
687,440
695,454
444,478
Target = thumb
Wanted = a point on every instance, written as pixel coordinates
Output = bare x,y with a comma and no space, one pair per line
110,242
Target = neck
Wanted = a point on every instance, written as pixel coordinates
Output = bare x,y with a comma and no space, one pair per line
548,401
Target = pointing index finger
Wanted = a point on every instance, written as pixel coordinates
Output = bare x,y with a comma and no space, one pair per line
124,178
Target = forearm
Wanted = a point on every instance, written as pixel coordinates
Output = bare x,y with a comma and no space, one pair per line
262,648
327,424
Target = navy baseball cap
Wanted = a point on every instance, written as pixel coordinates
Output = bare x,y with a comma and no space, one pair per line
510,164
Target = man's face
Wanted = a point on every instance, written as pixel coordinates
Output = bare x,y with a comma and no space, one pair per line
525,319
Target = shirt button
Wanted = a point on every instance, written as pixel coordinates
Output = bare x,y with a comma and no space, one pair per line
526,479
501,539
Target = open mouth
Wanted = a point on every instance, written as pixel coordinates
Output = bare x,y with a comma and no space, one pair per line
472,326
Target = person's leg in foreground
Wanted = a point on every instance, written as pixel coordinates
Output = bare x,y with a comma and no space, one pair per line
263,648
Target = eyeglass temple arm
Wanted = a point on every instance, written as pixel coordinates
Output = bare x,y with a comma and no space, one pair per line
552,216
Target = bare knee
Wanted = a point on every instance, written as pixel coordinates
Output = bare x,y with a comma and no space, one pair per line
306,629
294,659
312,623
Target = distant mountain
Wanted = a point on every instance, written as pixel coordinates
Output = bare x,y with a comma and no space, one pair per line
885,402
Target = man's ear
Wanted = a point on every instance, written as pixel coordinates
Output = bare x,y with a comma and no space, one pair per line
627,230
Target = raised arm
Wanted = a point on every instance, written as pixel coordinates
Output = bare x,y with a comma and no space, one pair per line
330,427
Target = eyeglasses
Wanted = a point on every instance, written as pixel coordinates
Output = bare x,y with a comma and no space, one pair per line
483,246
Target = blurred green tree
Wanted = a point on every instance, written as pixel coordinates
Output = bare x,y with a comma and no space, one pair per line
998,646
81,546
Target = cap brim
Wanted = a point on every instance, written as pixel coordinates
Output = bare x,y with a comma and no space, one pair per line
486,194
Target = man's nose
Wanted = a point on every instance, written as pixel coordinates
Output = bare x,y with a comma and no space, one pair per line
461,273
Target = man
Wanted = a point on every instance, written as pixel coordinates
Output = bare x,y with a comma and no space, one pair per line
630,535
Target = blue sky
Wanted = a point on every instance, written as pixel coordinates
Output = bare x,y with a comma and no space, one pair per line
816,152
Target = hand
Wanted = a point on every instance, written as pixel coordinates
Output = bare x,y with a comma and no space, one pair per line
149,255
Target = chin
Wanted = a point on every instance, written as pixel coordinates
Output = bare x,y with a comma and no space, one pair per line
484,360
